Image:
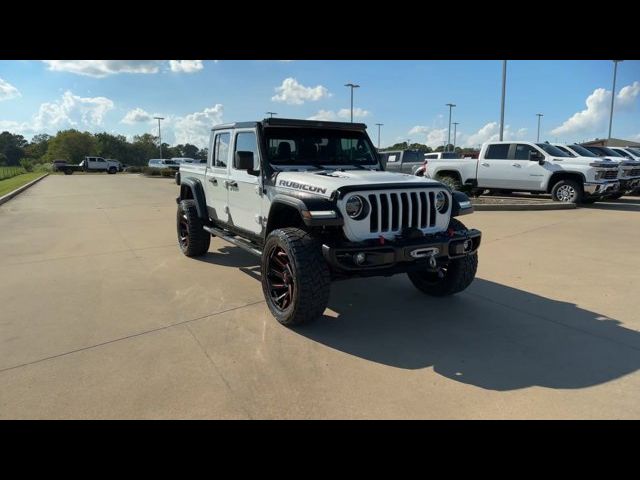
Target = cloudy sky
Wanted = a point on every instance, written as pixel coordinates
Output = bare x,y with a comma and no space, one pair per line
408,97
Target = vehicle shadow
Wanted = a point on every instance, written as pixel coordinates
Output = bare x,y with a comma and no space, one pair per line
620,204
230,256
491,336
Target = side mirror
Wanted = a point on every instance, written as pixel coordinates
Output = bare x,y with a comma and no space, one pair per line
536,157
244,161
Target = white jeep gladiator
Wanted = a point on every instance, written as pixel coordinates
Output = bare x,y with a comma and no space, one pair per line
312,200
529,167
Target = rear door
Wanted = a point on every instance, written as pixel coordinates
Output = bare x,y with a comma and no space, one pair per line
217,176
243,187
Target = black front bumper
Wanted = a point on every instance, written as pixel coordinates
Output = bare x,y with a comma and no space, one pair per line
402,255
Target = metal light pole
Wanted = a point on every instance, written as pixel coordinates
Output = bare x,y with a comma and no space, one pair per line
613,94
379,125
504,87
159,134
450,105
352,86
271,113
455,131
540,115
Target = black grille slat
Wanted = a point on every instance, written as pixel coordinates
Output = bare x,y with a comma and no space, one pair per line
384,211
432,209
373,200
414,209
610,175
405,210
394,211
423,210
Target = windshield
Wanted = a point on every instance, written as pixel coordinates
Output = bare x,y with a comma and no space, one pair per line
315,146
566,150
580,150
611,153
635,151
551,150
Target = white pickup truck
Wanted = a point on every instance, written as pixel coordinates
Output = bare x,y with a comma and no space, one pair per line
528,167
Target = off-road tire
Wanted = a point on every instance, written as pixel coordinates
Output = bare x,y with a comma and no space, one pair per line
576,196
311,277
450,181
458,276
188,222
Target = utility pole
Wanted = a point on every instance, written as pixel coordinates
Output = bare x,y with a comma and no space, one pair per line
352,86
159,134
379,125
450,105
613,94
504,87
271,113
540,115
455,131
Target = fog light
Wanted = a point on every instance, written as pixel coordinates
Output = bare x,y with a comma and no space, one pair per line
360,258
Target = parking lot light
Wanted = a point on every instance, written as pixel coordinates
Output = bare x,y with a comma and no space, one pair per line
450,105
539,116
159,134
613,94
352,86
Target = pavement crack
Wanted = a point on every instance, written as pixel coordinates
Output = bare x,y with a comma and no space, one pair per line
127,337
218,371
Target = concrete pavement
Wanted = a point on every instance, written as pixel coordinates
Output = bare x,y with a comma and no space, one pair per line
102,317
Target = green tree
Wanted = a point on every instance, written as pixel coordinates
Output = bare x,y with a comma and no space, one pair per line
72,146
38,146
12,146
116,147
145,147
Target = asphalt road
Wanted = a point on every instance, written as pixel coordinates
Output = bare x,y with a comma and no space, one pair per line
102,317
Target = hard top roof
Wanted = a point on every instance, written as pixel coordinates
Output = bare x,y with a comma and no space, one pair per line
293,122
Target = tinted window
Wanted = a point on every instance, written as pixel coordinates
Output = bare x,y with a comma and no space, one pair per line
450,155
522,151
498,151
609,152
597,150
566,150
580,150
221,150
246,142
410,156
552,150
622,152
431,155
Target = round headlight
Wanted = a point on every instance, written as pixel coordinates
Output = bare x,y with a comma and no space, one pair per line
355,207
442,203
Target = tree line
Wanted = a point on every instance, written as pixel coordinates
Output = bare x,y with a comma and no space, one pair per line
427,149
73,145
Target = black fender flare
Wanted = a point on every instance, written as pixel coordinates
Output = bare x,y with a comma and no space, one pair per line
461,205
303,206
196,190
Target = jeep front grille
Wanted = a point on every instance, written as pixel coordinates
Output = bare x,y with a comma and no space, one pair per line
394,211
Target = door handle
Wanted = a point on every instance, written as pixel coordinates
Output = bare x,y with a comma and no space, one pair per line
484,164
230,183
516,165
214,180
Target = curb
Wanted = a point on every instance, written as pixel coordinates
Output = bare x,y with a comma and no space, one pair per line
515,207
10,195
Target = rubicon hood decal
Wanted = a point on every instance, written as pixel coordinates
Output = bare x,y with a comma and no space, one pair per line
326,182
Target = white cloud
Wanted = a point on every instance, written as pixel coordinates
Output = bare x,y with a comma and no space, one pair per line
345,113
294,93
186,66
596,115
137,115
326,115
102,68
7,91
490,133
357,113
196,127
72,110
433,137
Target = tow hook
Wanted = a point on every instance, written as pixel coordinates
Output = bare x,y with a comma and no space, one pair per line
432,261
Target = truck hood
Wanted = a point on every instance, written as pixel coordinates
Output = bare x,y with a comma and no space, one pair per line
326,182
602,161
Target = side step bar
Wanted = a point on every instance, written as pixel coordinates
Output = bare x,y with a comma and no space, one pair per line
226,236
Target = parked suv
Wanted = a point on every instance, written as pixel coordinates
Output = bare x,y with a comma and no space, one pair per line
529,167
406,161
311,199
